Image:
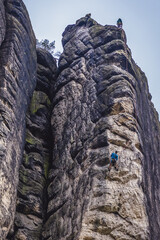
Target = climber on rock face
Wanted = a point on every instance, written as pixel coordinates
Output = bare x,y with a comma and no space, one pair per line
113,162
119,23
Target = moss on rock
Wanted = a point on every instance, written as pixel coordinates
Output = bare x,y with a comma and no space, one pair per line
39,100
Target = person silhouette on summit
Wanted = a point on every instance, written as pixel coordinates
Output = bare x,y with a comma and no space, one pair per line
113,161
119,23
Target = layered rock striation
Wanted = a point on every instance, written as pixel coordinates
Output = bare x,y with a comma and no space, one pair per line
59,128
33,175
17,82
150,134
100,97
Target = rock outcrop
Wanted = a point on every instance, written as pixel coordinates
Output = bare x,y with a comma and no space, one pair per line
17,82
100,99
59,128
150,134
32,194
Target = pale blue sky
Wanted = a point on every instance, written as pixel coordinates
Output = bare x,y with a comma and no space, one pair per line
141,22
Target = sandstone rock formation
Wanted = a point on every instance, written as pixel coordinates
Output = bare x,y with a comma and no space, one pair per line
96,102
17,82
32,195
96,112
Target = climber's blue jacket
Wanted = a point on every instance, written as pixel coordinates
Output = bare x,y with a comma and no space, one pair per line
114,156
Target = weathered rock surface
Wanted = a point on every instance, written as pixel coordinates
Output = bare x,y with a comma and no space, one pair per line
101,95
32,195
150,133
17,82
96,103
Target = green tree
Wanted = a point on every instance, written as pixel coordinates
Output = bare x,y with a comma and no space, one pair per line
45,44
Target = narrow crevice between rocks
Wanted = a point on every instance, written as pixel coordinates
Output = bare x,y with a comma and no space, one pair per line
32,196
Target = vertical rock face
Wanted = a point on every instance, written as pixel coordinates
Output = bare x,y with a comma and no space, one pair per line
17,81
150,135
2,21
102,104
32,195
97,102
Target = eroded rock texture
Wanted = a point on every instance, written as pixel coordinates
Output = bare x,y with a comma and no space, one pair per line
96,103
17,81
100,98
32,194
150,135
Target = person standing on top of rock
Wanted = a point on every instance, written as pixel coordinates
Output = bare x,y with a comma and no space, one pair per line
119,23
113,162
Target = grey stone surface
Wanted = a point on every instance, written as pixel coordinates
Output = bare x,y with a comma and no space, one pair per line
2,21
17,81
98,108
95,103
150,134
32,194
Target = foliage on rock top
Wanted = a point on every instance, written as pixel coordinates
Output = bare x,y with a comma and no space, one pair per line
48,46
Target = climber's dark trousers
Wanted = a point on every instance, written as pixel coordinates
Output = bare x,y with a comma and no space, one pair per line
113,163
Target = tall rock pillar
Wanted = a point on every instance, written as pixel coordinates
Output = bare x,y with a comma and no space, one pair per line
96,111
